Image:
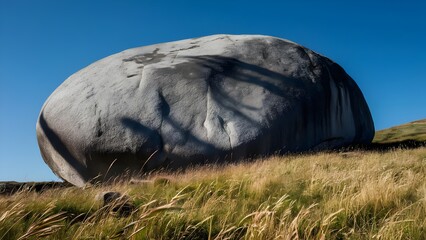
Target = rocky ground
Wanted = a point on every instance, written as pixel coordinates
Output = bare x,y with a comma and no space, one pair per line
11,187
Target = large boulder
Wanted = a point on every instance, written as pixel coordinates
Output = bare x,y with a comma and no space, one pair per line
218,98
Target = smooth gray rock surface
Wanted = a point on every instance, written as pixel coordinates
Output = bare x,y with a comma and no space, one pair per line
212,99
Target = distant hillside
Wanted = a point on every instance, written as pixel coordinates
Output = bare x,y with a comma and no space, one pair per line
410,131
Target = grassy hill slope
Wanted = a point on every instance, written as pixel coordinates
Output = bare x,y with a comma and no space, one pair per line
352,195
411,131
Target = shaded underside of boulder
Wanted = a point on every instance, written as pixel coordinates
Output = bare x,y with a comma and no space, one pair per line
218,98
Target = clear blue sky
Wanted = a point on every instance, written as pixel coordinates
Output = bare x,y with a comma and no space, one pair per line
381,44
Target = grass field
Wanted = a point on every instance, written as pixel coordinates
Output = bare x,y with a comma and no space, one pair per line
410,131
336,195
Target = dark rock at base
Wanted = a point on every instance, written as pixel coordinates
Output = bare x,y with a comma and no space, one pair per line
117,204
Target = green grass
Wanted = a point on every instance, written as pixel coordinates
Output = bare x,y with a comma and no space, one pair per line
351,195
410,131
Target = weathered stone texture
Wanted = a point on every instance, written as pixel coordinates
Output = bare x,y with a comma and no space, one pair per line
215,98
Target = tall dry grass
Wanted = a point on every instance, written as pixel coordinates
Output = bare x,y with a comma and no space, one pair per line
353,195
